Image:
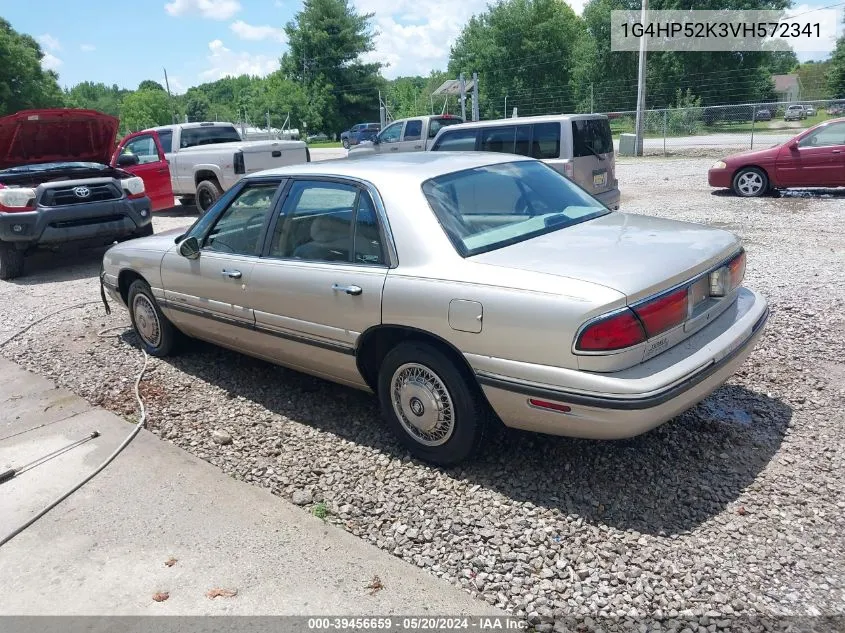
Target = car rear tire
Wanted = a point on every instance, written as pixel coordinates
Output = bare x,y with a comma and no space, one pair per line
345,143
434,407
750,182
208,191
157,334
11,261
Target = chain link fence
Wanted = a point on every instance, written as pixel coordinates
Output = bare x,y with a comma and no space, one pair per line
700,130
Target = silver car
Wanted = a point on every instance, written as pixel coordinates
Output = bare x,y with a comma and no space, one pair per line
461,288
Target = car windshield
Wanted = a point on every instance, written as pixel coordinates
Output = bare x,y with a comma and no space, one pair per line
490,207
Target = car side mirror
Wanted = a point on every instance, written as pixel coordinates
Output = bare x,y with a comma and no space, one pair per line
792,145
190,248
376,139
127,160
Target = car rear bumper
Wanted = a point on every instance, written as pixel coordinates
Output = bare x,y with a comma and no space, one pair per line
610,198
719,178
94,221
627,403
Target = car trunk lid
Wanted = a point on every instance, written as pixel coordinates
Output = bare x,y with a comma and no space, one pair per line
56,135
634,254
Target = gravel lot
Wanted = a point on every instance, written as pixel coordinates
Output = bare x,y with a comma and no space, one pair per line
736,508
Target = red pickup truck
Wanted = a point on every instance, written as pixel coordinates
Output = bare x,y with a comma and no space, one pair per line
59,185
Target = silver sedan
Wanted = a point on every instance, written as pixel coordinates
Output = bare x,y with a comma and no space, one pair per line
461,288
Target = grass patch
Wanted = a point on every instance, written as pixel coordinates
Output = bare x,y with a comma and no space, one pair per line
321,511
327,144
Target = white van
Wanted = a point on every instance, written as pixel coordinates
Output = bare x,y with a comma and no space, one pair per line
579,146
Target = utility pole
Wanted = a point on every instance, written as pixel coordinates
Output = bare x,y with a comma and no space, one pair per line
476,110
592,106
641,86
169,96
463,97
505,111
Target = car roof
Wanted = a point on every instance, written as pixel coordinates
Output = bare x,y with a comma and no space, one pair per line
543,118
418,166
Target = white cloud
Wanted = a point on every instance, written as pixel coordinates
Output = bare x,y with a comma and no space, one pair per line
87,48
50,62
278,3
415,36
225,62
48,42
256,33
212,9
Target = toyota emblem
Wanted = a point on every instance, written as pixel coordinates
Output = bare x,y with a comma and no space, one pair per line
81,192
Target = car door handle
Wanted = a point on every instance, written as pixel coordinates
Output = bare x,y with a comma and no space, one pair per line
234,274
417,146
394,149
350,290
837,151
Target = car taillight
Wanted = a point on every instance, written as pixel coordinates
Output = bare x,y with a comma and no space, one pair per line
134,187
728,278
737,268
663,313
616,331
16,199
238,162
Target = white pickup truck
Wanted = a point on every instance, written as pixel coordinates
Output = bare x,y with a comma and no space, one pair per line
204,159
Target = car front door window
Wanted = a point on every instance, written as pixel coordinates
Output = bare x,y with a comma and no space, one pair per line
238,229
144,147
827,136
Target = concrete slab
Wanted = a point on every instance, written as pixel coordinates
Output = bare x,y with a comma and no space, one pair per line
103,551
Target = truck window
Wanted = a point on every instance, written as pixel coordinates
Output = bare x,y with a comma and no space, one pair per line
166,139
209,135
413,130
435,124
546,143
591,137
456,141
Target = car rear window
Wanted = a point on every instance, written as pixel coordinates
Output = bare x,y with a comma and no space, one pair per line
591,137
209,135
491,207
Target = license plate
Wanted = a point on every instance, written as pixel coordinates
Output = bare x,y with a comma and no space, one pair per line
600,178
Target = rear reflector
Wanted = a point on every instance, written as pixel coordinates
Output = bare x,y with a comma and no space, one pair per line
663,313
618,331
552,406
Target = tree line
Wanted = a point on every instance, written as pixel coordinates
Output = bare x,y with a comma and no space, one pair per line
536,55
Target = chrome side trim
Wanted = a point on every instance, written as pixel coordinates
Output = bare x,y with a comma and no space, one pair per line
251,325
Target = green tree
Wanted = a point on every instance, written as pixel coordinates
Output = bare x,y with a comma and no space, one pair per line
149,84
325,42
23,82
836,71
196,105
145,108
524,49
96,96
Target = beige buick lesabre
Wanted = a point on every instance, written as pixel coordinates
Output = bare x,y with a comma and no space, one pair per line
457,287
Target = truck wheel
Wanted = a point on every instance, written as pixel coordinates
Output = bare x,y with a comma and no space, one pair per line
346,143
11,261
207,193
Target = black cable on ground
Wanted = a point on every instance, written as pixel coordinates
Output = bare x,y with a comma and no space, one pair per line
137,428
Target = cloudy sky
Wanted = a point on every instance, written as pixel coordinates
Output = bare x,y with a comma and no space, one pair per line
202,40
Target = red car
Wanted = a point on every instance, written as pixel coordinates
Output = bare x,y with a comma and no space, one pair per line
813,158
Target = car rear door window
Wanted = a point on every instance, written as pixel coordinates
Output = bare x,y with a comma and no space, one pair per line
591,137
546,141
240,226
523,140
498,139
456,141
413,130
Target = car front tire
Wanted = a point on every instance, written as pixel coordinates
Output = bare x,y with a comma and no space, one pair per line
750,182
345,143
157,334
11,261
435,409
